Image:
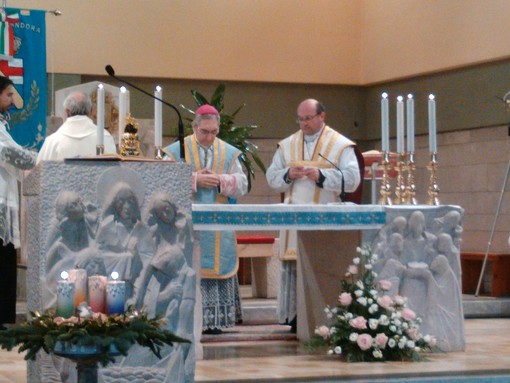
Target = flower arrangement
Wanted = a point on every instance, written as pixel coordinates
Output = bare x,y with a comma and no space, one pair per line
368,325
89,331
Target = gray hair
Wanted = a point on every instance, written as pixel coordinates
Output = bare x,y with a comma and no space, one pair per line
77,104
200,117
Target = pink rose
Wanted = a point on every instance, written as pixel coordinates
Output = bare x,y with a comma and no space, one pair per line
323,331
352,270
364,341
359,322
414,334
384,284
385,302
59,320
381,339
408,314
345,299
73,320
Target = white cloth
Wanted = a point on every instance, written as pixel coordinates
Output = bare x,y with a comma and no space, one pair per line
76,137
13,158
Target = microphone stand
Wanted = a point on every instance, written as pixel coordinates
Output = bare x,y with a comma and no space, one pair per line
342,194
111,73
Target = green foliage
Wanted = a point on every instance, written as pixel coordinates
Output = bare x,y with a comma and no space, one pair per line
46,330
238,136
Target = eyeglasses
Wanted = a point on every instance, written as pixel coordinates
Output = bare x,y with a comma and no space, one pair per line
301,120
205,132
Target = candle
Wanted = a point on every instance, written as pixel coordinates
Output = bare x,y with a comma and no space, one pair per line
432,124
100,114
385,134
79,277
400,124
97,293
410,123
158,118
122,111
115,295
65,296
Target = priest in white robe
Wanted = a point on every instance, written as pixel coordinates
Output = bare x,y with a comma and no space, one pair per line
315,165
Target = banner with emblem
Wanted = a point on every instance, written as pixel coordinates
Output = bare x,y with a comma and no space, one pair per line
24,35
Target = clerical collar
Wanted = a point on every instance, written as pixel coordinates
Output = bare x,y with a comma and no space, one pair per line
313,137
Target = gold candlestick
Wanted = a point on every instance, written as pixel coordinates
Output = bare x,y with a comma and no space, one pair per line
99,150
411,186
158,153
385,189
433,187
400,191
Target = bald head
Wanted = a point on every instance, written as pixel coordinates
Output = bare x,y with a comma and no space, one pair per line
310,115
77,104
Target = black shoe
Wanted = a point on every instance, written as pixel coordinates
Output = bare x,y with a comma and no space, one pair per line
293,325
212,331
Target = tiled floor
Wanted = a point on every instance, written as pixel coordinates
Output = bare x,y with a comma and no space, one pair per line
487,352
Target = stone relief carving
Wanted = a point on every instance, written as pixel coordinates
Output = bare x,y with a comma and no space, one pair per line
423,264
149,253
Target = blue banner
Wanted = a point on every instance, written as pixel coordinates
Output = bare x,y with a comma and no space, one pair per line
28,72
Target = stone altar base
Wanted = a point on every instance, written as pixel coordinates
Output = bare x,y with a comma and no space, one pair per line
133,217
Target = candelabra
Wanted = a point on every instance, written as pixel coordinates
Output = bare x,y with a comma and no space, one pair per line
99,150
400,191
158,153
385,189
433,187
410,198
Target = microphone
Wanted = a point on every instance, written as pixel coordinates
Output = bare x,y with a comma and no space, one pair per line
111,72
342,193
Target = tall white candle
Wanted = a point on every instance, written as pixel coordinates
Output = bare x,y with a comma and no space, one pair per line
410,123
385,134
400,124
122,111
100,114
158,118
432,124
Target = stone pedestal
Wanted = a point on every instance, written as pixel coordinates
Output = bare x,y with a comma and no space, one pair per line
107,216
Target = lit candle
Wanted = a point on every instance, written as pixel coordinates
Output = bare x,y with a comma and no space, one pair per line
65,296
432,124
158,118
122,111
410,123
115,295
79,277
400,124
385,134
100,114
97,293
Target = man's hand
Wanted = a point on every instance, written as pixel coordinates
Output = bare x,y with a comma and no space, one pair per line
207,179
298,172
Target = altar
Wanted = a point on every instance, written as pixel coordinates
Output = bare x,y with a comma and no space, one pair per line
416,238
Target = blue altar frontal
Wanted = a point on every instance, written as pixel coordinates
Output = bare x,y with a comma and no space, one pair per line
283,216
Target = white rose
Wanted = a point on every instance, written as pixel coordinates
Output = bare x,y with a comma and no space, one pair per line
373,323
358,293
391,343
338,350
362,301
353,337
410,344
356,261
377,354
